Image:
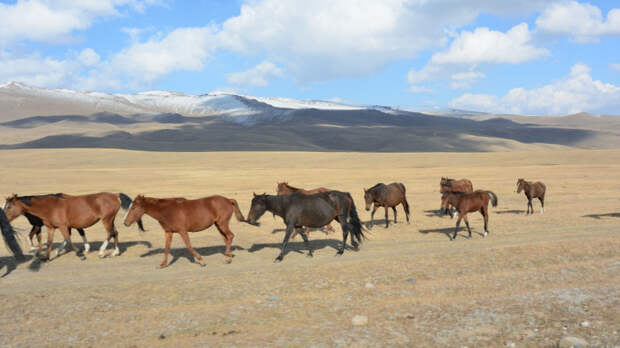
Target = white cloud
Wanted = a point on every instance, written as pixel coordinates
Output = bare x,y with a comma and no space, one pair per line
489,46
583,21
460,62
575,93
46,20
88,57
38,71
256,76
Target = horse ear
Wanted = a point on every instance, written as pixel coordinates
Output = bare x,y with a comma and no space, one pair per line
254,194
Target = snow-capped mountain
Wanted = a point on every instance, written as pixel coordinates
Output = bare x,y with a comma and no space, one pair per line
19,100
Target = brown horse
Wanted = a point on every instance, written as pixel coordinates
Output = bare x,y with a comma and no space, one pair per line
64,212
283,188
387,196
468,203
180,215
532,190
462,185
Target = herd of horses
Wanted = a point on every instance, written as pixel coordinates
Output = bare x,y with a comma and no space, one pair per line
300,210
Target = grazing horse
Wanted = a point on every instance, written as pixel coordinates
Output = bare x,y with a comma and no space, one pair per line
8,234
462,185
283,188
316,210
65,211
388,196
532,190
37,224
180,215
468,203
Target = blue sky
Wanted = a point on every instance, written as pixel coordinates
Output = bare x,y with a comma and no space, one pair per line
535,57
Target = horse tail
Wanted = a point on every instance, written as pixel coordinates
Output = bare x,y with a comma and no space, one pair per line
126,204
237,211
493,198
8,233
405,203
354,220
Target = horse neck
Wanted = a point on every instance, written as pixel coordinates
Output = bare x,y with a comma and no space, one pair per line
274,205
35,207
153,208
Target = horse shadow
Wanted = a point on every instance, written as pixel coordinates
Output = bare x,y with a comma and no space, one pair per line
513,211
599,216
123,246
299,247
177,253
433,213
448,231
11,263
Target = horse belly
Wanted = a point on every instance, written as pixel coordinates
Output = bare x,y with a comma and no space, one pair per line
315,218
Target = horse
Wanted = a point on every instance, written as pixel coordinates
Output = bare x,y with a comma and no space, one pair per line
462,185
468,203
8,234
283,188
180,215
387,196
65,211
532,190
37,224
316,210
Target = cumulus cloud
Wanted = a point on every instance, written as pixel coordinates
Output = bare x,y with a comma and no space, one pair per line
583,21
46,20
468,50
256,76
575,93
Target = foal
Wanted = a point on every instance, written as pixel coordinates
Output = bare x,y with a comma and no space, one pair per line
180,215
532,190
387,196
468,203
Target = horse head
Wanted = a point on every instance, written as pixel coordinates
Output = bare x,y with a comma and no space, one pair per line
13,207
135,211
257,209
520,185
368,198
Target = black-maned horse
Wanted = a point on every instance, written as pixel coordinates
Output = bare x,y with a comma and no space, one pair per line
316,210
387,196
468,203
37,224
532,190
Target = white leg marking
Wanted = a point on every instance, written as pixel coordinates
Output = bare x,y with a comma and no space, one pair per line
542,210
116,252
127,212
103,247
86,247
4,205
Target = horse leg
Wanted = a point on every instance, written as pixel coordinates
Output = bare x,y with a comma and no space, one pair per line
394,209
328,229
485,213
166,249
63,245
197,256
467,224
83,235
372,216
36,230
406,208
345,233
66,234
307,244
287,235
529,205
458,222
387,222
542,204
228,237
50,241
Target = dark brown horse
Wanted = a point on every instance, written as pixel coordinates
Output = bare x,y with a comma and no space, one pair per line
180,215
8,234
316,210
462,185
64,211
387,196
283,188
532,190
468,203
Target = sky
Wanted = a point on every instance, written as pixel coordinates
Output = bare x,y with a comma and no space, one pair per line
505,56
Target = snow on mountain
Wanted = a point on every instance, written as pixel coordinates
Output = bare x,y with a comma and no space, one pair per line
16,97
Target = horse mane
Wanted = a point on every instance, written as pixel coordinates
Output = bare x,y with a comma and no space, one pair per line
291,187
376,186
27,200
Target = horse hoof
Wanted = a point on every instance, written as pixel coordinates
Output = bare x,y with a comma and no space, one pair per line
203,264
339,253
101,256
228,260
309,255
82,257
277,260
162,266
86,248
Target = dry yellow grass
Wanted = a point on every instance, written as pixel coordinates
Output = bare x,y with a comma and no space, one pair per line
533,280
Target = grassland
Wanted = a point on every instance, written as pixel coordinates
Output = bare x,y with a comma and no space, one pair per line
533,280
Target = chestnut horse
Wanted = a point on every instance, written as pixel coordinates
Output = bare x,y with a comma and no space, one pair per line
180,215
65,211
387,196
532,190
316,210
283,188
462,185
468,203
37,225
